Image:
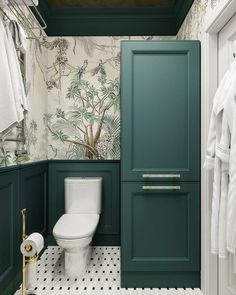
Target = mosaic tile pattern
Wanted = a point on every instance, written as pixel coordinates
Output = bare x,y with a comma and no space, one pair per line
102,276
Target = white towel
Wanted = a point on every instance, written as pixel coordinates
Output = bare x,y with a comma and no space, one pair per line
18,35
8,113
16,77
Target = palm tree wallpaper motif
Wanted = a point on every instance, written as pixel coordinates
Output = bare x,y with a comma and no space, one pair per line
90,124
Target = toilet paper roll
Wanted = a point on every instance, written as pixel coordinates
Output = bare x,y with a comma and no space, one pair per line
32,245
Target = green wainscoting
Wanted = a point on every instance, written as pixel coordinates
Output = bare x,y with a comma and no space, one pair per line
33,182
20,186
108,231
39,187
9,263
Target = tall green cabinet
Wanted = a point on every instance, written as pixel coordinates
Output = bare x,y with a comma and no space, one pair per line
160,164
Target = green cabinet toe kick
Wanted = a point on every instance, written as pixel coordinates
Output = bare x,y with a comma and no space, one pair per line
142,279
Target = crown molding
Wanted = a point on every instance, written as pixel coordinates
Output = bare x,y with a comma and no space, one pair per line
114,21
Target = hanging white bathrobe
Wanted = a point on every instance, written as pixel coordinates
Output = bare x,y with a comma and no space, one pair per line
214,161
231,214
230,110
223,152
222,208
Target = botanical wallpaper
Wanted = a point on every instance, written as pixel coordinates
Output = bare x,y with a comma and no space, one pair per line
83,98
83,118
193,25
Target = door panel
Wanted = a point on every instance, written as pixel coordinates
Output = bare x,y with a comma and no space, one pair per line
160,227
160,110
226,55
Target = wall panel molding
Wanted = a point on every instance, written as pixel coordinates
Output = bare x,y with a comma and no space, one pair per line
27,185
20,186
8,234
109,224
33,185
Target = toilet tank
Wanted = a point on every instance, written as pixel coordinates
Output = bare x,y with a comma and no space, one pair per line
83,195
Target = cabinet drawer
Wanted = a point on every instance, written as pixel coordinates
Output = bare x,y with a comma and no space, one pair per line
160,228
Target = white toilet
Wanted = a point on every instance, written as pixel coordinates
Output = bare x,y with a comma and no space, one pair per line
75,229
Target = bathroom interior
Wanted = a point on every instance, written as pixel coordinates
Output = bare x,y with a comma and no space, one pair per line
112,177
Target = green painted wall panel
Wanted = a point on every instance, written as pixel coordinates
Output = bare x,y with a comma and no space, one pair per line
9,193
27,185
21,185
33,185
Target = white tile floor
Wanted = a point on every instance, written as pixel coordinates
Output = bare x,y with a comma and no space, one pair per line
102,276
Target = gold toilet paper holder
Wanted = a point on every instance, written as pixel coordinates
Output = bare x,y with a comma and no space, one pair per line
28,248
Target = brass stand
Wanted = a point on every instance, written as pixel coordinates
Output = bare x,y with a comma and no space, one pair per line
23,211
28,248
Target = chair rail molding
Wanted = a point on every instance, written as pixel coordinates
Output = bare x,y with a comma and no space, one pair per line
215,21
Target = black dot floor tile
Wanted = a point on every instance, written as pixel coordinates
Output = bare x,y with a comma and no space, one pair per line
102,276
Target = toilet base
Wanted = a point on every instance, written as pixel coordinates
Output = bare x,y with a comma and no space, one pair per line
77,255
76,263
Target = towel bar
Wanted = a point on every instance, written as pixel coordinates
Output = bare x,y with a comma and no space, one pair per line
23,19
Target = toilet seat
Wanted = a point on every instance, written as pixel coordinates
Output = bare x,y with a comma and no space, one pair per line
75,226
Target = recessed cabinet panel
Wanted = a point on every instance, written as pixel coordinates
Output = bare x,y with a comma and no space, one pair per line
160,227
160,110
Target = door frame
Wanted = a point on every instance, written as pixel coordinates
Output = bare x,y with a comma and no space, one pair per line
215,21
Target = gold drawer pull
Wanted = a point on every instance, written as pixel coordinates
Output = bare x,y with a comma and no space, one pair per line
161,175
161,187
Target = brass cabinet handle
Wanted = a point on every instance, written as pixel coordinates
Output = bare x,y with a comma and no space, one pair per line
161,175
161,187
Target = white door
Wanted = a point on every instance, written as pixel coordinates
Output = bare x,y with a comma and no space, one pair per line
226,55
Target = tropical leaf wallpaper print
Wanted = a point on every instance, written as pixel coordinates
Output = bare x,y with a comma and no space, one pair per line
193,25
84,98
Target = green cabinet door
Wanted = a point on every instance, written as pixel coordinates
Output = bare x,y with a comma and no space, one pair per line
160,110
161,232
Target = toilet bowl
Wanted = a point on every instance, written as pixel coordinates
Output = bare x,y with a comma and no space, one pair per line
75,229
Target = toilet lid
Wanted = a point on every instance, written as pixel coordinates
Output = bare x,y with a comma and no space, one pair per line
75,226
